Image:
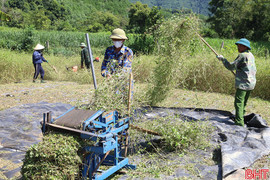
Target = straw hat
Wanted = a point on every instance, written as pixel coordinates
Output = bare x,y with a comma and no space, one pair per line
118,34
82,45
39,47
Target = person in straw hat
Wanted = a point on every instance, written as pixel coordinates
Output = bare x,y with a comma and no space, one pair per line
245,77
117,57
84,56
37,60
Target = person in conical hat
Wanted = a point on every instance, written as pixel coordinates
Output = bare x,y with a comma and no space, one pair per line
245,77
117,57
38,58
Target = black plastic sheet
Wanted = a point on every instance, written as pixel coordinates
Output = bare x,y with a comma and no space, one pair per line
240,146
20,128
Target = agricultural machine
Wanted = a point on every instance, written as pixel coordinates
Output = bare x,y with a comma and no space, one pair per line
107,132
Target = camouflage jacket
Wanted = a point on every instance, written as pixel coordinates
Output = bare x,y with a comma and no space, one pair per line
245,67
116,61
85,56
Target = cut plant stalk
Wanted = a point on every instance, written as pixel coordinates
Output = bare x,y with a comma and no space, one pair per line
53,68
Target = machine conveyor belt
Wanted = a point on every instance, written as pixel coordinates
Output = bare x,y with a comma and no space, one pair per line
74,118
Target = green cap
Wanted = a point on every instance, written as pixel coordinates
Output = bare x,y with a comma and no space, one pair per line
244,42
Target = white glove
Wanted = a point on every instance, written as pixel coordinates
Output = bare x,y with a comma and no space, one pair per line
220,57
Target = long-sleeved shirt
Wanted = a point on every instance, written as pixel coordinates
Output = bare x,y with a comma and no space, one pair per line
244,64
85,56
38,57
113,61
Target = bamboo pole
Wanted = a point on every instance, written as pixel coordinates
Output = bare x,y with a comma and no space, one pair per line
210,47
144,130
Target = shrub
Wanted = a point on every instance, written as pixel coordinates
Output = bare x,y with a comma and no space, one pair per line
28,39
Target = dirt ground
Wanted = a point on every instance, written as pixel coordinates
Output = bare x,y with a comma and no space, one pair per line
25,92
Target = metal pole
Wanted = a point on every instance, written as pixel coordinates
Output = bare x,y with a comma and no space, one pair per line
91,60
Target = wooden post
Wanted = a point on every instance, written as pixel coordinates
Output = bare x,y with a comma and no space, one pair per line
49,117
47,46
129,92
222,45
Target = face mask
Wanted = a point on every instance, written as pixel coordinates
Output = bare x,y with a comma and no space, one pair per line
118,44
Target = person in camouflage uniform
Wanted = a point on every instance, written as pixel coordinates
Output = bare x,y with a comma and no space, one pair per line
245,77
84,56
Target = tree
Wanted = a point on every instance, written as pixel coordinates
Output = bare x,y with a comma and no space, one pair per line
242,18
141,17
16,18
4,16
38,19
261,19
40,13
138,15
154,18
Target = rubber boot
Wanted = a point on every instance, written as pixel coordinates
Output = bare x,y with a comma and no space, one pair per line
42,81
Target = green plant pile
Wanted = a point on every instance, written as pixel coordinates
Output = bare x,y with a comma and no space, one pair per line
56,157
175,42
183,136
113,94
179,136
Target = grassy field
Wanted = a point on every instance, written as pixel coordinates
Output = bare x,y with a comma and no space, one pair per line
202,71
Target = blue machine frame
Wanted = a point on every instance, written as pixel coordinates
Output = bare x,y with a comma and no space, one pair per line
105,129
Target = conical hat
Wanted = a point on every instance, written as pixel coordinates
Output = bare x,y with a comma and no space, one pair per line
39,47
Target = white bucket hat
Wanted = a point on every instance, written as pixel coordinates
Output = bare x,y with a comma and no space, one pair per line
39,47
